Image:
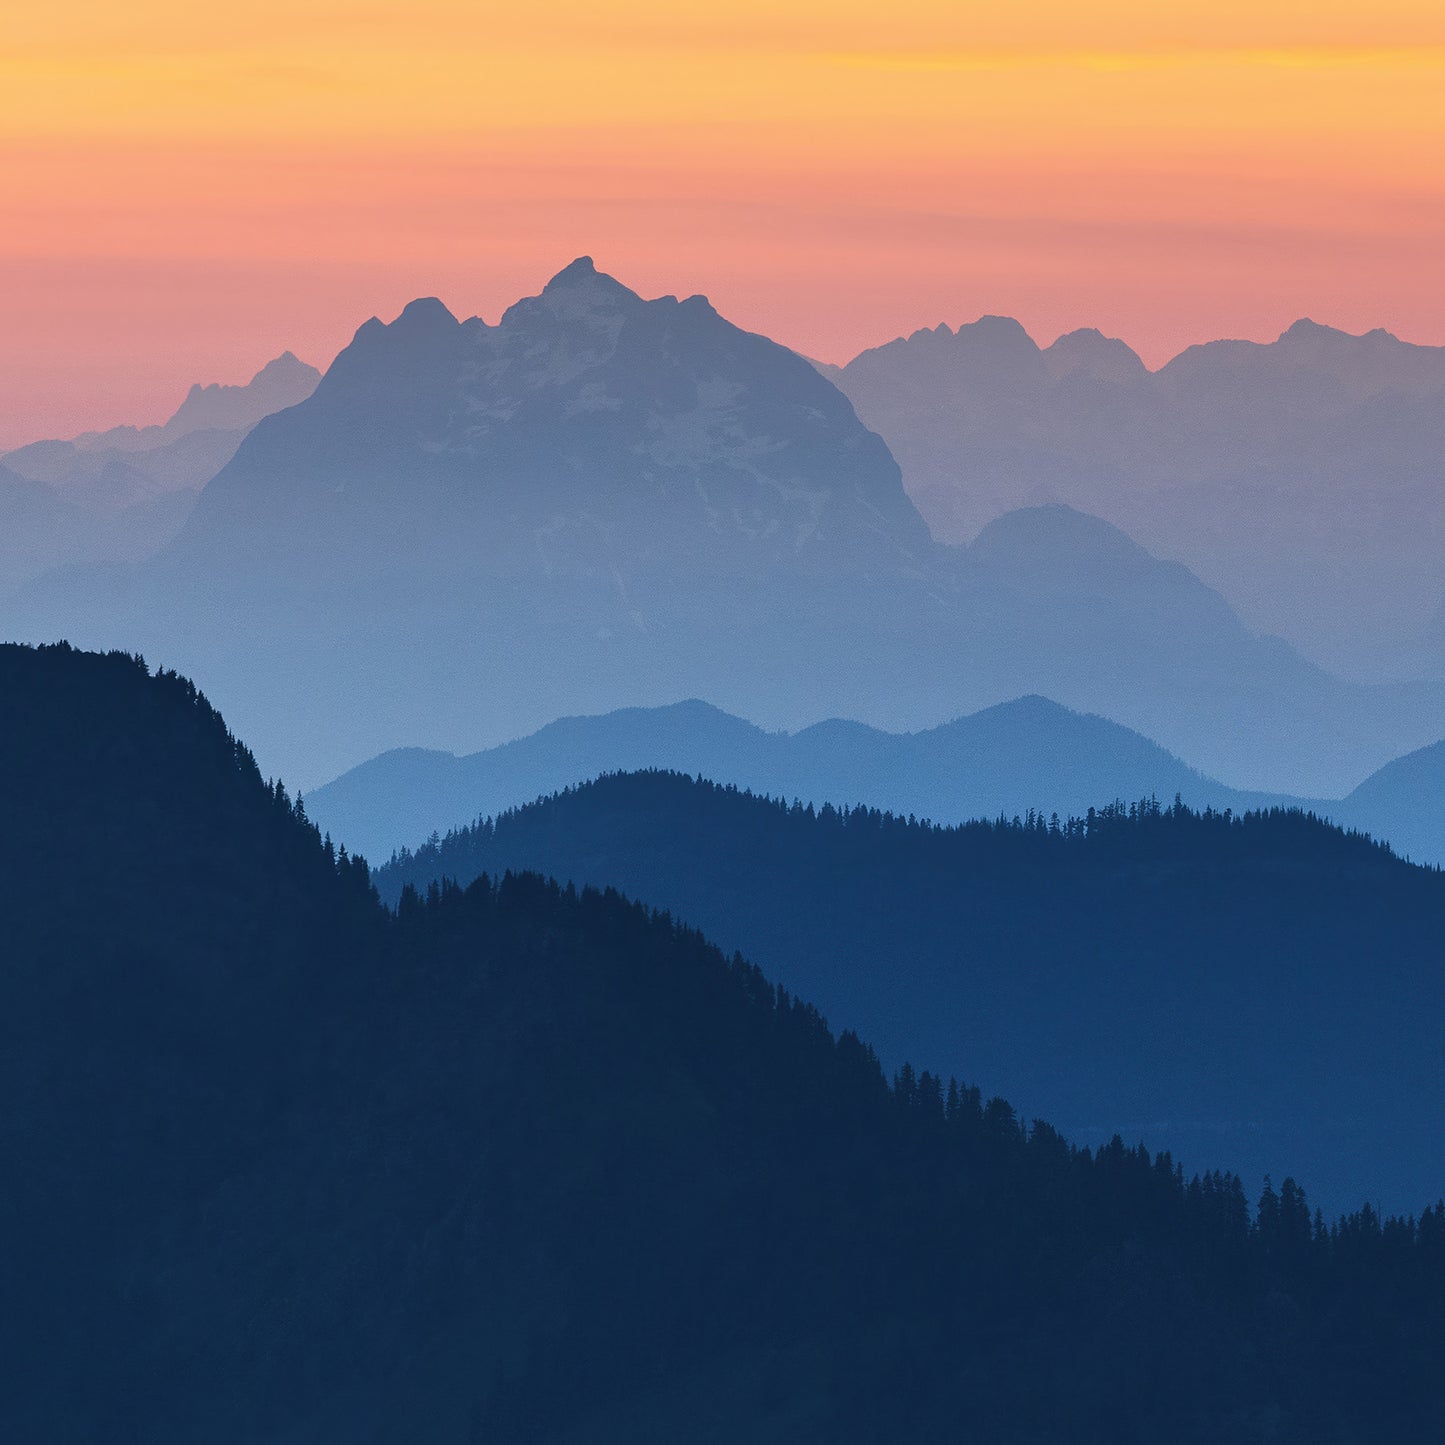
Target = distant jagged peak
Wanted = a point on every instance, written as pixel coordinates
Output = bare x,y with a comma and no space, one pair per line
990,339
283,376
1308,342
564,336
419,320
1310,331
421,347
426,313
996,331
581,272
1089,351
942,332
582,275
285,370
282,382
578,293
992,348
1363,364
581,401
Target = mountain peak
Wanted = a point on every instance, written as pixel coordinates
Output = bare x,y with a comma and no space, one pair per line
583,269
427,312
1003,328
585,417
1307,330
577,293
1088,350
288,361
998,342
281,383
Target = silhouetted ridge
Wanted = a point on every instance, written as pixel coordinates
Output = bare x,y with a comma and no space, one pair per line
1028,752
590,434
1090,352
522,1163
1296,476
120,495
602,500
1246,990
1144,831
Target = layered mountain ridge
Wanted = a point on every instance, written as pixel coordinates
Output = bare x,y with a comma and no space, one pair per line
525,1163
122,494
1259,990
704,446
1302,477
1026,754
602,501
1005,761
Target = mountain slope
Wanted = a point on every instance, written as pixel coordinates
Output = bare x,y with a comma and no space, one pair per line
1300,477
519,1164
181,454
704,446
1005,759
1404,802
283,382
125,492
602,501
1261,994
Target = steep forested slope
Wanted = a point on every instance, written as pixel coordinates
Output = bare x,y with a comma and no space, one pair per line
1259,993
518,1163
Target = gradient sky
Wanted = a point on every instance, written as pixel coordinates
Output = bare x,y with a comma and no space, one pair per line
186,191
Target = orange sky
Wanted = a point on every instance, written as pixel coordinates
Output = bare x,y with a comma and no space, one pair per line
186,191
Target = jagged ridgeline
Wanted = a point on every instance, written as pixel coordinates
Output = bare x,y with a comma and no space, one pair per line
518,1163
468,530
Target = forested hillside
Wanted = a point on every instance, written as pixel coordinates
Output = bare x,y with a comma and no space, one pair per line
1026,753
518,1163
1261,993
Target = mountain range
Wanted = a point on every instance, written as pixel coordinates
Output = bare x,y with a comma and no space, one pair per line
1005,760
469,530
1256,993
1026,755
121,494
1302,478
524,1163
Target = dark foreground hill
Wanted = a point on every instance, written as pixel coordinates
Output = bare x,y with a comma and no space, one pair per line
1259,993
518,1164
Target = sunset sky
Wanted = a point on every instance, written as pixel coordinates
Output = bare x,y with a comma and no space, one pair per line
186,191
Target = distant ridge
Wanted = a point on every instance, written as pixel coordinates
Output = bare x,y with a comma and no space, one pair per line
1030,753
216,407
1302,477
120,495
282,382
469,530
1255,989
